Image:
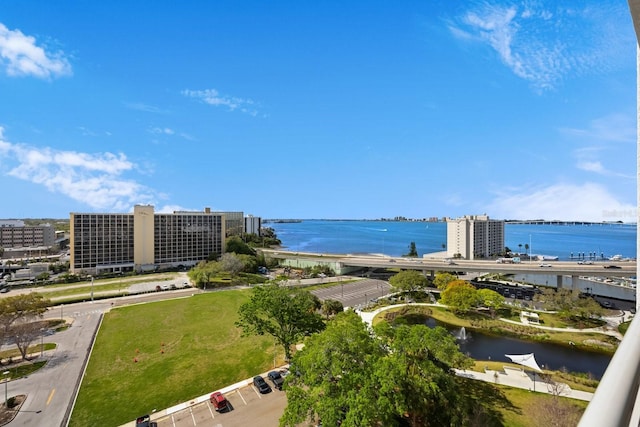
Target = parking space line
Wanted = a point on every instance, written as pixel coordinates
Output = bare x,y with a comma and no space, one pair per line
256,392
242,397
173,421
193,416
210,411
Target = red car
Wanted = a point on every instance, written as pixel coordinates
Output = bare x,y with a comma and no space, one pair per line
219,402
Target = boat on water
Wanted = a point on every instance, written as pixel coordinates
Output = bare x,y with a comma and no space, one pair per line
547,257
616,258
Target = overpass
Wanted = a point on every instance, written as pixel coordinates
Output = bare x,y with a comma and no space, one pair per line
342,264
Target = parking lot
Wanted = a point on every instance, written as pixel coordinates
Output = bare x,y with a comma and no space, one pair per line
248,407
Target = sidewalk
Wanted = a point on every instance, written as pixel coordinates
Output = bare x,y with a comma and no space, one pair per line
520,379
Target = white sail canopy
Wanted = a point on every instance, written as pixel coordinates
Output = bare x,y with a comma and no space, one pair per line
527,360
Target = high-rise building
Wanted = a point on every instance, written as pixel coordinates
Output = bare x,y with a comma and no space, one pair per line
143,240
474,236
252,224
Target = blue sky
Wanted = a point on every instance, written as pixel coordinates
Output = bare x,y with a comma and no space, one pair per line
308,109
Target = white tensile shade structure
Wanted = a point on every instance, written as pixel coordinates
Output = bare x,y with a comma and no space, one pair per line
527,360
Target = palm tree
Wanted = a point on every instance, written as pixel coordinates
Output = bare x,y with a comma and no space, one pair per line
519,247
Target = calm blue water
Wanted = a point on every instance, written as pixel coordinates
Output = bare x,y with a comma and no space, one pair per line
393,238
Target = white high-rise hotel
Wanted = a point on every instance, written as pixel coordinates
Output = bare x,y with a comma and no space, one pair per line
474,236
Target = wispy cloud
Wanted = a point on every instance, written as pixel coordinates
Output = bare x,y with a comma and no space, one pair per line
21,56
610,128
139,106
586,202
545,41
213,97
162,131
95,179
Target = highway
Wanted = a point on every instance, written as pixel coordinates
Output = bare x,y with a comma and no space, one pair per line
560,268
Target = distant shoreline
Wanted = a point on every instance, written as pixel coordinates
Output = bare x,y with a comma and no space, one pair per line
507,221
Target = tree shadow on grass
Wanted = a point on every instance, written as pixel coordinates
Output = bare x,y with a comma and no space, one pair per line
484,402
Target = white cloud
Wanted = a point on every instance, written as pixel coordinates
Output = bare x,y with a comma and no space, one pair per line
93,179
22,57
592,167
144,107
213,97
162,131
544,42
586,202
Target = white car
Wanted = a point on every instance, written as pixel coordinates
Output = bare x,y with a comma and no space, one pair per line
545,265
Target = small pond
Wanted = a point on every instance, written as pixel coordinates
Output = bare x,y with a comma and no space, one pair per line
548,355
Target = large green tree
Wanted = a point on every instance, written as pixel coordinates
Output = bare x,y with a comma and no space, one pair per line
490,299
18,319
347,376
236,245
460,296
408,281
569,303
286,314
443,279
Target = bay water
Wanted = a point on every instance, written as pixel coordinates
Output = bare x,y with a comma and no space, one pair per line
393,238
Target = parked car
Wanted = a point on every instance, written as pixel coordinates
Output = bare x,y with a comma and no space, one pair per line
219,402
145,421
276,379
261,384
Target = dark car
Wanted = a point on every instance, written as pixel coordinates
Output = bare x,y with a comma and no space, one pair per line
145,421
276,379
261,384
219,402
612,266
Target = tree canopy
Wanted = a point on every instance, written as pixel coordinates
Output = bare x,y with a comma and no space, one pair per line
286,314
347,376
408,281
443,279
18,315
460,296
236,245
413,252
569,303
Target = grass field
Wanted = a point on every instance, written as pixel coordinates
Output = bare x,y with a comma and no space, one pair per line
157,355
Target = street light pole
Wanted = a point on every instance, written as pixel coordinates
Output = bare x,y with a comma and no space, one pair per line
91,288
6,397
41,342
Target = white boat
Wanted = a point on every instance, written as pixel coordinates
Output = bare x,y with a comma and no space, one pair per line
615,258
547,257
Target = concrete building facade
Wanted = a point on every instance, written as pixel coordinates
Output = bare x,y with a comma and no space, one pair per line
15,235
474,237
252,224
143,240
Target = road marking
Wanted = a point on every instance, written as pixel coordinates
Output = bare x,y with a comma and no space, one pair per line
209,406
193,417
242,397
51,396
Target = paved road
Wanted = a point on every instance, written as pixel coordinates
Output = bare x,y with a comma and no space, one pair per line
51,389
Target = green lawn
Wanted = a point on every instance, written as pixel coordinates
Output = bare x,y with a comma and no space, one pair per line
160,354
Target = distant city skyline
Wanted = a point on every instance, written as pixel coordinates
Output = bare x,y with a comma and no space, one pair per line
357,110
